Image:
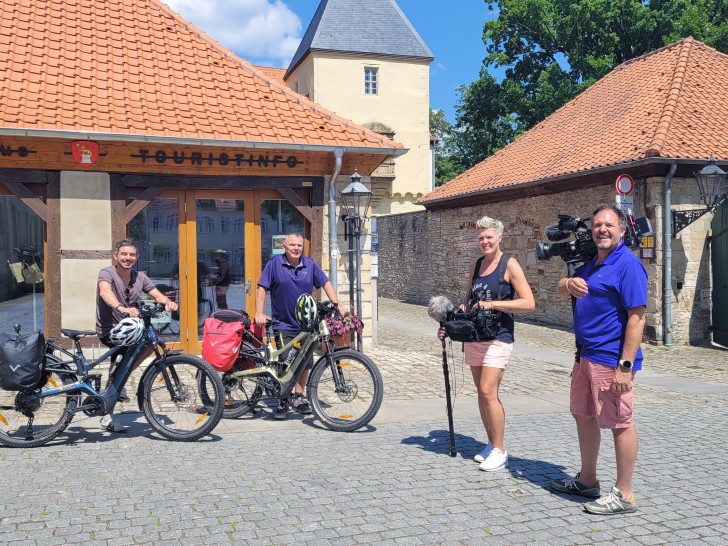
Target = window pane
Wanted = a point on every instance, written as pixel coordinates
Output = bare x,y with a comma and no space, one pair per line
22,287
156,231
277,219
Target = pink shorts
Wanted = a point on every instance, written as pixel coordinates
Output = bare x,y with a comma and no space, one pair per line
590,396
493,354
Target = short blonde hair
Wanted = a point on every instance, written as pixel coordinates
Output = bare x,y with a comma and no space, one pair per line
489,223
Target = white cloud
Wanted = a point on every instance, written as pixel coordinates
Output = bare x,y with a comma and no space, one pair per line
260,31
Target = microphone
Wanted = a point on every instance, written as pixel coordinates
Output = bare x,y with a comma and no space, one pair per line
439,307
555,233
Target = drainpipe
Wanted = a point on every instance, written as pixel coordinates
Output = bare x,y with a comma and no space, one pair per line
333,236
667,265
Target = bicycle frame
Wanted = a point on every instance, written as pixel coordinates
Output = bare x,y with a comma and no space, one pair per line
122,371
288,380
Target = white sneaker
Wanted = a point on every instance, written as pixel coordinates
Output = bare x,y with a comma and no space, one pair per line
495,461
111,425
483,455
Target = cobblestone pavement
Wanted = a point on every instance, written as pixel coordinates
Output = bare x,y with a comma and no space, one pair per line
392,482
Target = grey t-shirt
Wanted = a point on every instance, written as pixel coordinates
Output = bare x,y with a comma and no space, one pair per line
106,317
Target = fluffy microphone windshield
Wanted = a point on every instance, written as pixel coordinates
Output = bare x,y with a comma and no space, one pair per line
439,308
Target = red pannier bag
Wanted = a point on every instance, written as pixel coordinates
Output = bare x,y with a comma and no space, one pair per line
221,343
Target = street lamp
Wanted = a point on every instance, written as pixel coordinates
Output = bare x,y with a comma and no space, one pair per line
356,198
711,180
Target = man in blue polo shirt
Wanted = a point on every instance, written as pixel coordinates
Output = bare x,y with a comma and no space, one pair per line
287,276
609,317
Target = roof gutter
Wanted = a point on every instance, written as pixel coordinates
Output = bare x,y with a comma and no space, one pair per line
183,141
667,265
333,235
568,176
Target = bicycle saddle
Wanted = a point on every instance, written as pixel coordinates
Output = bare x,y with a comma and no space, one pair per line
77,334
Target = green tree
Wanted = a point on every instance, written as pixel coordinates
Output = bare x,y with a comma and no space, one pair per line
447,165
554,49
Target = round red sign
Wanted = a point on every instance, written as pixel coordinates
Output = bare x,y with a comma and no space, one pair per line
625,184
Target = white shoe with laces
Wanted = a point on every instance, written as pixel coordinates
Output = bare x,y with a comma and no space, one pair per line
483,455
495,461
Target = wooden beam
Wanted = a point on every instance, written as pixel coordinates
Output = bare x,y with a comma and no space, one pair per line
33,202
301,206
138,205
53,257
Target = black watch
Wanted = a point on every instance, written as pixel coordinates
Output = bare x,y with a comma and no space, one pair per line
626,364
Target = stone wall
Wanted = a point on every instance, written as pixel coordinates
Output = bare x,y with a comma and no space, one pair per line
428,253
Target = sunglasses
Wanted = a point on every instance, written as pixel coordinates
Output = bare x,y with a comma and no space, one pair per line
127,295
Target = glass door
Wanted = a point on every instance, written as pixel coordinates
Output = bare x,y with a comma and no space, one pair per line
220,252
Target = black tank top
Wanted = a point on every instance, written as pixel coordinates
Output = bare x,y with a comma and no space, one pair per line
485,288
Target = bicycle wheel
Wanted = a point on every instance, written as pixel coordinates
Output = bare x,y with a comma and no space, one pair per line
38,421
241,394
185,414
356,402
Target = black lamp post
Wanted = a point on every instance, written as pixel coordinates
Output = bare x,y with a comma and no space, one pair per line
711,180
356,198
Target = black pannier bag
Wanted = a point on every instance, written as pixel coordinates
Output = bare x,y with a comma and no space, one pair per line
22,359
232,315
459,327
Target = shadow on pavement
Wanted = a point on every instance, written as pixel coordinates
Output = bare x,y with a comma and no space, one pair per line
539,473
91,432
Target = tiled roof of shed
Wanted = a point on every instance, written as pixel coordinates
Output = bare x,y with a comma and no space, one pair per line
669,103
134,67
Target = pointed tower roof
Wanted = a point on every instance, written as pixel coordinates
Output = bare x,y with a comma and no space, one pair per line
135,70
670,103
361,27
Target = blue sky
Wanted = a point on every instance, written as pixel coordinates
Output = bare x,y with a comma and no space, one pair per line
267,32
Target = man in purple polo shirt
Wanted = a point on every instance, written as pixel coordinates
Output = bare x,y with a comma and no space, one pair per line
287,276
609,317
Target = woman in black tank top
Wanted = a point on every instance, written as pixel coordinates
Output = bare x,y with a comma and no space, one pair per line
496,284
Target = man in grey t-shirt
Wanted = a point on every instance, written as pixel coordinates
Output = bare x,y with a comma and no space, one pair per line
119,289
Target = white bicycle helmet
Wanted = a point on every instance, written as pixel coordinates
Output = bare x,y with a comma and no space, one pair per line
127,332
306,312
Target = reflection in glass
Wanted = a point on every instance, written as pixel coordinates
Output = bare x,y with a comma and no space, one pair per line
156,231
278,218
220,225
22,267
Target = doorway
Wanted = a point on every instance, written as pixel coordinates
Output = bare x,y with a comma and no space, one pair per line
206,249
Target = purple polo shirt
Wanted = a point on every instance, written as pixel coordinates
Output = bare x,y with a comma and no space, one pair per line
286,283
616,285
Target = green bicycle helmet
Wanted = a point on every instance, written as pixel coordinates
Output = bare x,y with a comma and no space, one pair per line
306,312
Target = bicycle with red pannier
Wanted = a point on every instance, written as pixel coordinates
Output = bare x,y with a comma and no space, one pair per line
344,387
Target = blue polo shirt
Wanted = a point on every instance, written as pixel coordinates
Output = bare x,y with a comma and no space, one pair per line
616,285
286,283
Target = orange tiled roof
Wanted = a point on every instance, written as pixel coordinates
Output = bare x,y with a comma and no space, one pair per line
271,72
134,67
670,103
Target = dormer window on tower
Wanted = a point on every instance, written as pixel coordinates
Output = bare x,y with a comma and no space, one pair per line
371,81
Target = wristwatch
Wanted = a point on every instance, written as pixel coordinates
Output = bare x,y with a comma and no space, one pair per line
626,364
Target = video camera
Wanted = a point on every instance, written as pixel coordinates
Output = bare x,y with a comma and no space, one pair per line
582,248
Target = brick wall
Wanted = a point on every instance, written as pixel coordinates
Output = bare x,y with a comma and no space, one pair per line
428,253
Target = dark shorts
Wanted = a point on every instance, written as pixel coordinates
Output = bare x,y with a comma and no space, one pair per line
288,335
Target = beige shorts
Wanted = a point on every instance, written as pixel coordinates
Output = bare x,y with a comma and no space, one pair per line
491,354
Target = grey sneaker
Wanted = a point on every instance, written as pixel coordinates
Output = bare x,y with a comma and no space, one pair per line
300,404
612,503
281,411
573,486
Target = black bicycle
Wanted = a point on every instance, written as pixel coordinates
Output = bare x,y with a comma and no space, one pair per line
168,394
345,387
